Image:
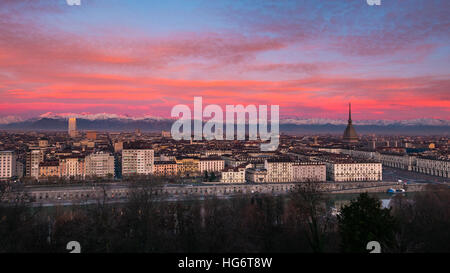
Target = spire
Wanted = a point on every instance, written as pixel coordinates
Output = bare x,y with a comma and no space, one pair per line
350,135
350,112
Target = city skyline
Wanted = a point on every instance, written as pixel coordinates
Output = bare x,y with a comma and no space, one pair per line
305,56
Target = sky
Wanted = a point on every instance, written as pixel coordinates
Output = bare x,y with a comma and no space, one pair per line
311,57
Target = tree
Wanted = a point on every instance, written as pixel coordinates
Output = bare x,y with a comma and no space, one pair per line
308,205
364,220
423,220
212,177
205,178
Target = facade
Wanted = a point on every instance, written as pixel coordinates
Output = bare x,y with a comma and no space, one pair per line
279,169
309,171
72,167
166,168
167,158
33,159
256,175
349,171
432,166
397,160
72,127
19,169
49,169
211,165
233,175
137,161
188,166
91,135
118,147
43,143
8,161
99,165
218,152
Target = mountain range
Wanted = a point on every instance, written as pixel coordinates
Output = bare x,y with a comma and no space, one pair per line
114,122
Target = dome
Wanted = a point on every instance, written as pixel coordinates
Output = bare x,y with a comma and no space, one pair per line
350,134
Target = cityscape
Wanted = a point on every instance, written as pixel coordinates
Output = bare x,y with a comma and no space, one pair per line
224,127
38,158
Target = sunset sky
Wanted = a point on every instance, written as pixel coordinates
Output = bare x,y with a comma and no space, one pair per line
138,58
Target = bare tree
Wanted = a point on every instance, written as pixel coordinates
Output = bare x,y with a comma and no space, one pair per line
308,205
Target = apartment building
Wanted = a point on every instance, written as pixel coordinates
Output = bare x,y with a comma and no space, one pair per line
49,169
72,167
432,166
99,165
8,161
309,171
188,166
256,175
346,169
165,168
33,159
233,175
279,169
137,160
211,164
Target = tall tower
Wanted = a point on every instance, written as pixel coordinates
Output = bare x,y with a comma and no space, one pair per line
350,135
72,127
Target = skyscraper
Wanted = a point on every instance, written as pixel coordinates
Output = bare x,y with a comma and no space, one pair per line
72,127
350,135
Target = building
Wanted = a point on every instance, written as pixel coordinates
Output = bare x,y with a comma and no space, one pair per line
432,166
397,160
33,159
256,175
165,157
99,165
343,168
91,135
19,169
279,169
188,166
118,147
166,168
72,127
211,164
309,171
350,135
427,165
49,169
43,143
72,167
137,159
165,134
8,161
233,175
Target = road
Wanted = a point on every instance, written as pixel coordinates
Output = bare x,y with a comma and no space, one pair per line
392,174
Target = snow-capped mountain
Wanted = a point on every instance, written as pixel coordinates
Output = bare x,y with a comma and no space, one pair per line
98,116
293,121
115,122
411,122
10,119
